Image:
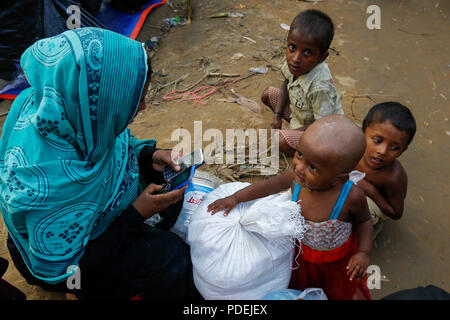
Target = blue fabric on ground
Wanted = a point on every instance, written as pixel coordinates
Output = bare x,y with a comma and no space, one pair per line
121,22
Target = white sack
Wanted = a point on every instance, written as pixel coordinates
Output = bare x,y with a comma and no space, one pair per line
248,253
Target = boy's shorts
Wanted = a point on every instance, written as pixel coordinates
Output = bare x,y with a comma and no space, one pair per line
375,212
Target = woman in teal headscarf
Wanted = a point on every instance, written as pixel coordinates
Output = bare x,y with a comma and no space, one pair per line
70,172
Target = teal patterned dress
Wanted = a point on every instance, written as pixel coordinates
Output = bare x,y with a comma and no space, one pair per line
68,162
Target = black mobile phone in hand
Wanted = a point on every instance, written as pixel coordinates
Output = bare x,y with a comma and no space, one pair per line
193,159
180,180
169,173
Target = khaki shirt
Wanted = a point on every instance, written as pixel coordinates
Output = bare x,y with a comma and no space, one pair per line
312,95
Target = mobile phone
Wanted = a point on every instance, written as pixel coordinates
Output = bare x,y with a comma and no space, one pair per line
193,159
180,180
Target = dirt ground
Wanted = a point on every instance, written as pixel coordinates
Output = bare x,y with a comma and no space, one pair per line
405,61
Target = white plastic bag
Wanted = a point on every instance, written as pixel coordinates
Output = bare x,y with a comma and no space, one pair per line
286,294
291,294
312,294
202,183
356,176
248,253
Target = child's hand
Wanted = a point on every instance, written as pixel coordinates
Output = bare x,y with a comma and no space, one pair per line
226,204
357,265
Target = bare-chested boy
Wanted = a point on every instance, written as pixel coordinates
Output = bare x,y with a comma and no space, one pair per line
389,128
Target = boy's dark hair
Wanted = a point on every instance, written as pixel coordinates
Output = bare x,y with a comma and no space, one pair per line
317,24
394,112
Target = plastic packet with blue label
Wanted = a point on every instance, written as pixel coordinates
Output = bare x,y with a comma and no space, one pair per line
202,183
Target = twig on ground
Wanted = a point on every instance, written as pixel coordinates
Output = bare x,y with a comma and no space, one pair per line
216,74
335,51
416,34
189,11
171,5
195,84
354,97
173,82
373,94
249,39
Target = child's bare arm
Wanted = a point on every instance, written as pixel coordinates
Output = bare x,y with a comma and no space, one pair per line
282,103
392,205
396,191
252,192
372,192
359,262
359,212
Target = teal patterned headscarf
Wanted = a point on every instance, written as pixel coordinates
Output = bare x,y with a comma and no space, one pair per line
68,163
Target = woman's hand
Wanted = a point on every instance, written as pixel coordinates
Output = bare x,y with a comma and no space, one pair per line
226,204
164,157
358,264
149,203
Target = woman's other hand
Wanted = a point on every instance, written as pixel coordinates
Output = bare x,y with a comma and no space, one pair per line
148,203
164,157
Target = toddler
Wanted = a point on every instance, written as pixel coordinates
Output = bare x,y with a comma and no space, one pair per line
336,249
